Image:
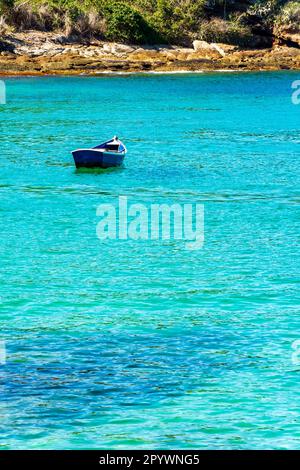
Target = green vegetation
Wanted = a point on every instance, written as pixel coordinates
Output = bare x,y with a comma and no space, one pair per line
288,18
231,31
246,23
127,24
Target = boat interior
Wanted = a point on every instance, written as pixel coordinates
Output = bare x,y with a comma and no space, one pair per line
112,147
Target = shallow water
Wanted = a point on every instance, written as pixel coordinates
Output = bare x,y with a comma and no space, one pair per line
144,344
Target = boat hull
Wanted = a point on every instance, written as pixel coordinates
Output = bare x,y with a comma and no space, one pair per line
89,158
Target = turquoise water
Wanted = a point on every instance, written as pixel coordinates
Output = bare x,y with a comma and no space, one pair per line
144,344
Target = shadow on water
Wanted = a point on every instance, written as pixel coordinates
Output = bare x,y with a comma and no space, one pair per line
98,171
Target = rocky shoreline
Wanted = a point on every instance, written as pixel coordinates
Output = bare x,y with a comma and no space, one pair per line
40,53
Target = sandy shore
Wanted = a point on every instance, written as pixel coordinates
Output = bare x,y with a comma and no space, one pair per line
37,53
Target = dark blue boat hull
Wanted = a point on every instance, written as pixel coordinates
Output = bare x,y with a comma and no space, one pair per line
90,158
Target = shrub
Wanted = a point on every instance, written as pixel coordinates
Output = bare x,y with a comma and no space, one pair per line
125,24
264,12
37,14
231,32
6,5
68,15
6,10
156,21
289,18
176,20
83,23
5,28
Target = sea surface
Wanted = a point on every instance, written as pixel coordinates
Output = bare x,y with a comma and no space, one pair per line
128,344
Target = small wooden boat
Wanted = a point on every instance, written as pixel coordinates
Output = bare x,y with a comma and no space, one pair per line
108,154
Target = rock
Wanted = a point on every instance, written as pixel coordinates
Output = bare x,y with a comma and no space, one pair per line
142,54
6,46
90,53
61,39
170,55
118,49
183,55
107,48
224,49
43,52
227,48
7,54
122,49
205,46
219,49
292,40
198,45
